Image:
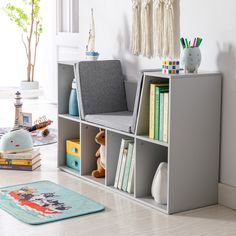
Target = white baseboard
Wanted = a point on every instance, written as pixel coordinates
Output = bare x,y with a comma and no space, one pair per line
227,195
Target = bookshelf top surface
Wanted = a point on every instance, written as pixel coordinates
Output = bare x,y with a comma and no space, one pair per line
182,74
70,63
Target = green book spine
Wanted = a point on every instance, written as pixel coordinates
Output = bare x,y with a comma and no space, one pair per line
127,167
157,109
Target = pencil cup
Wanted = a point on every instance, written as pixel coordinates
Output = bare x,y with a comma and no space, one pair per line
190,59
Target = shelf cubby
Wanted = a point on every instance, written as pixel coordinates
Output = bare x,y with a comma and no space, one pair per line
88,149
148,158
67,129
113,143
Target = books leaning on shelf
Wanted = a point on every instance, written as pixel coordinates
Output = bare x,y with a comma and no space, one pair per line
124,169
159,112
26,161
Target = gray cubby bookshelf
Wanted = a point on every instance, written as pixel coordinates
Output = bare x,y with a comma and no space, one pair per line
192,151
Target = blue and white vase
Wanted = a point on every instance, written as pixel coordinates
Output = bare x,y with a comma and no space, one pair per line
73,101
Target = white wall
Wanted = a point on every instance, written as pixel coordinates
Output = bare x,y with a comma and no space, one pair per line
12,54
212,20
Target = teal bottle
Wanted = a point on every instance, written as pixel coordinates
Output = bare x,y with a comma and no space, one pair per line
73,102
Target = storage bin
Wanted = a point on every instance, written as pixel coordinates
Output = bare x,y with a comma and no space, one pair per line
73,162
73,147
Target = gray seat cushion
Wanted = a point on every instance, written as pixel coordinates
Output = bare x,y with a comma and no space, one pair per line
101,87
116,120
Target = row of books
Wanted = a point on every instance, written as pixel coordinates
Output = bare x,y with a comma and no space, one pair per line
124,179
25,161
159,112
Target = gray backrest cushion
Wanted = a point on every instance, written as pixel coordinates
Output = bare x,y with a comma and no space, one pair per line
101,87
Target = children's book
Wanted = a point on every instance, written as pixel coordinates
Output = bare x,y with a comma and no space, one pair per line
127,167
21,155
19,162
124,144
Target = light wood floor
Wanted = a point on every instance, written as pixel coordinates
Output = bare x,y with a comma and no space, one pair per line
121,217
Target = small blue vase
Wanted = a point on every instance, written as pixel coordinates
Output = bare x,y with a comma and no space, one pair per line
73,102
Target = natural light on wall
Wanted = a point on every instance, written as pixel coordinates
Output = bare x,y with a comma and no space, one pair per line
12,55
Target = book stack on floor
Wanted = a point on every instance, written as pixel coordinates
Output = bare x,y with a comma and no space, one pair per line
124,179
159,112
26,161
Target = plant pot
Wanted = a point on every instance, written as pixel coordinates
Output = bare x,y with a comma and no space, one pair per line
26,85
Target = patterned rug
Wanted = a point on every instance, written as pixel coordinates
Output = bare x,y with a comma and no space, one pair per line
44,201
38,139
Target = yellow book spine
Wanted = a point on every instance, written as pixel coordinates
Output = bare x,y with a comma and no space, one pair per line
15,162
152,111
166,117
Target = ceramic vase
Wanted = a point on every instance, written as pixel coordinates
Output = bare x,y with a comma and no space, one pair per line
190,59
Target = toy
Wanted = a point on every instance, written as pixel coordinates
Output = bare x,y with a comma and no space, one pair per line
100,154
18,109
91,54
16,141
170,67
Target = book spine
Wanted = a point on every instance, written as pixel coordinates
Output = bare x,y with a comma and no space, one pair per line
161,116
127,167
122,169
21,156
158,91
15,167
152,111
157,112
15,162
130,187
166,117
119,163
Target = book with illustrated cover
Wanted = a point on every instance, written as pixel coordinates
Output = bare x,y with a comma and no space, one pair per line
23,168
23,162
21,155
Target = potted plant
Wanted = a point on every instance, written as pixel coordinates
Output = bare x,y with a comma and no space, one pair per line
28,20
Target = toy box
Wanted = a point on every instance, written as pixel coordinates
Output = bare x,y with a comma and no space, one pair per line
73,153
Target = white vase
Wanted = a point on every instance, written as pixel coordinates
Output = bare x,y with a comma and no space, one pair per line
32,85
159,184
190,59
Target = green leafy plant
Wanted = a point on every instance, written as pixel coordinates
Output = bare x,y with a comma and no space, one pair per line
29,22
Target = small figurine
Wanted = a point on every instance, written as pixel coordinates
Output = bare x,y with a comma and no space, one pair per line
90,47
18,109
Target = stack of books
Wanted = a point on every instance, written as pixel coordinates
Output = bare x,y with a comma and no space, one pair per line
124,179
159,112
26,161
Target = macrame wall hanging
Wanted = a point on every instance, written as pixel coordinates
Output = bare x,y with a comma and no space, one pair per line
158,27
147,47
156,31
168,38
136,27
